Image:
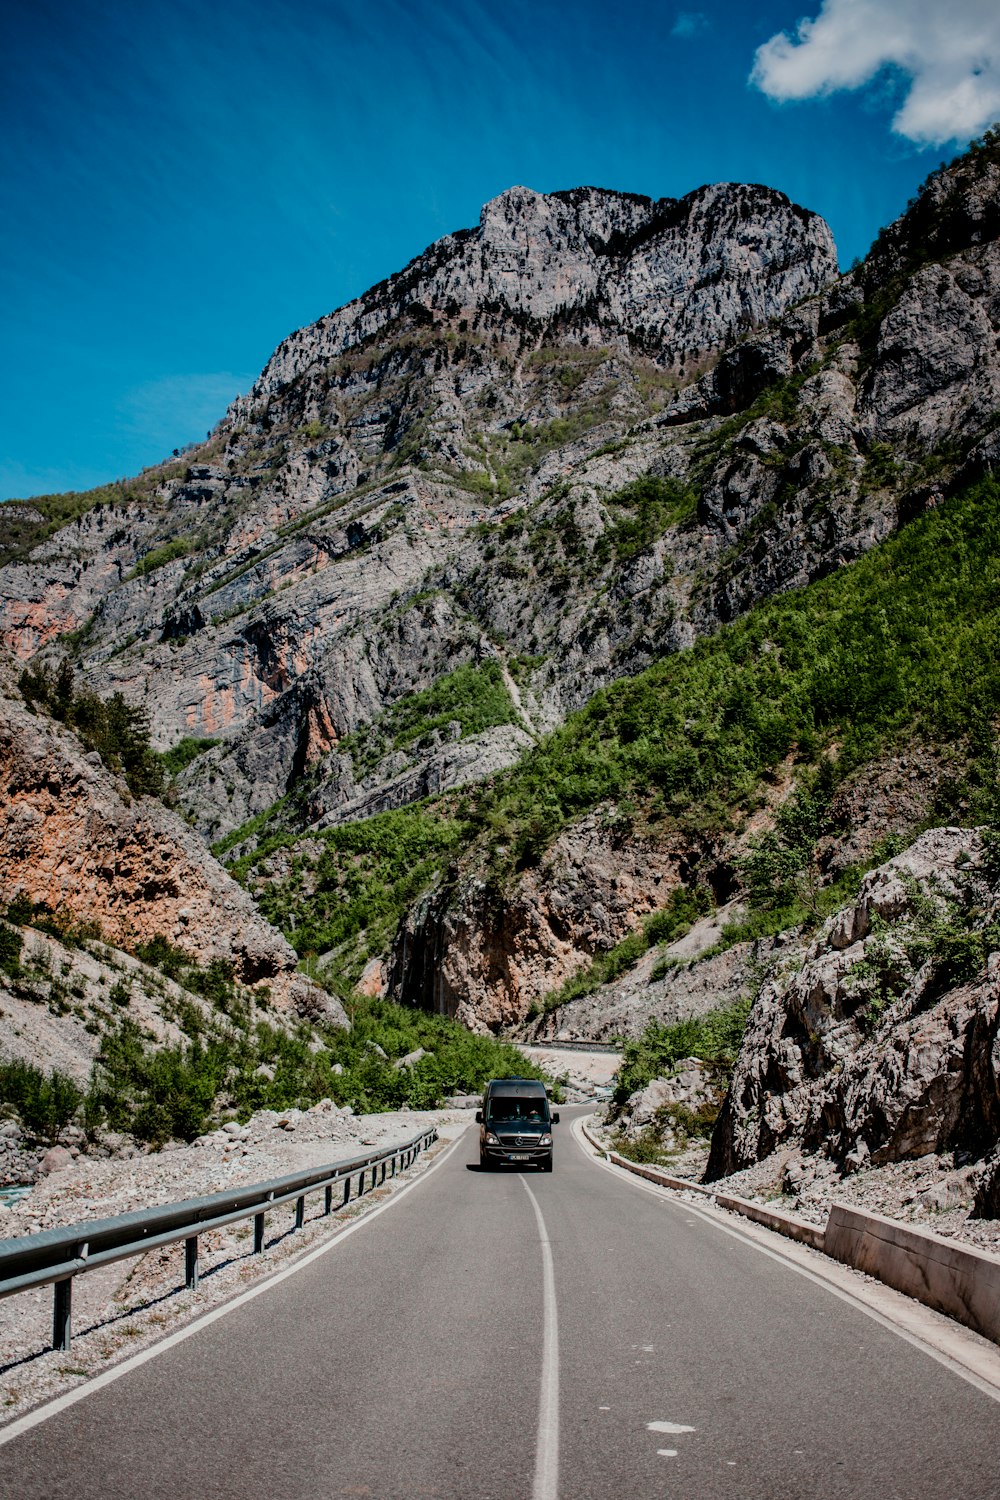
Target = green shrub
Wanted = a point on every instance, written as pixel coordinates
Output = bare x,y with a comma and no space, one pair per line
183,753
474,697
11,943
367,876
906,640
160,556
117,730
663,926
714,1038
642,512
156,1093
46,1103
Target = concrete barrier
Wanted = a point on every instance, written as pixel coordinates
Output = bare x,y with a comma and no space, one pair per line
958,1280
786,1224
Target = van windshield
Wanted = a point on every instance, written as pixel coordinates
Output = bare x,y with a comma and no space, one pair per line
535,1110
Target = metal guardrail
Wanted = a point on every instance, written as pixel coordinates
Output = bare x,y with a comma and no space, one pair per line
55,1256
580,1046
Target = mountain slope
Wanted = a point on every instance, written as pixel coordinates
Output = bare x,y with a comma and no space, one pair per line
450,514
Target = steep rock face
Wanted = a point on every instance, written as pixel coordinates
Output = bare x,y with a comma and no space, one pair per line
258,593
488,960
824,1067
73,840
437,472
679,276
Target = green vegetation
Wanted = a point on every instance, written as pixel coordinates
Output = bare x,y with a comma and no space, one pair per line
178,1091
118,731
24,524
951,934
475,697
160,556
45,1102
11,943
642,511
714,1038
506,457
231,1067
350,900
663,926
183,753
60,924
248,830
906,640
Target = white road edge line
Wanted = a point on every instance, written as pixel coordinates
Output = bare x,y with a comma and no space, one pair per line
787,1257
546,1485
70,1398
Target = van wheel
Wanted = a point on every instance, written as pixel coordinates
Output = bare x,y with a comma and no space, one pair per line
547,1165
485,1165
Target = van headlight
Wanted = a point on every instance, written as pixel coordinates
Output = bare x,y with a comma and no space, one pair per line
545,1140
491,1139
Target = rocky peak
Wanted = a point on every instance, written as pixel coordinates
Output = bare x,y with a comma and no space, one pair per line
676,277
957,208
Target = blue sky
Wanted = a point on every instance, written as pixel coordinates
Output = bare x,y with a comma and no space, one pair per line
186,181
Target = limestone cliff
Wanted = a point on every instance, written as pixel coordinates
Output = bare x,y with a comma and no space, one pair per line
877,1040
564,445
73,840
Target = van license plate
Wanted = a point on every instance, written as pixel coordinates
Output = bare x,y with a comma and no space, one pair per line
523,1157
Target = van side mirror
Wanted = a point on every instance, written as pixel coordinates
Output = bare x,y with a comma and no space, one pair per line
479,1117
555,1117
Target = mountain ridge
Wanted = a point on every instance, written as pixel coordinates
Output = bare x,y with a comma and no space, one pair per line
537,494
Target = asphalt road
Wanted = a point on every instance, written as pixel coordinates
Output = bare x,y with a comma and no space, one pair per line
520,1336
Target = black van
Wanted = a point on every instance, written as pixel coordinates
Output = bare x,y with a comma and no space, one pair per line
515,1124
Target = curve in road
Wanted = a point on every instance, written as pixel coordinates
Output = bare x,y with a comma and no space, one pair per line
578,1340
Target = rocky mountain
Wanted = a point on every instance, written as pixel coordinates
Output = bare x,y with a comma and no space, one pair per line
127,870
616,562
317,559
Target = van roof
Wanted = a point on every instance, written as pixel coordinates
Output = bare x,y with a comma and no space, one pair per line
515,1086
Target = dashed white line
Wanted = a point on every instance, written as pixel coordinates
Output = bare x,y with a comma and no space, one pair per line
546,1484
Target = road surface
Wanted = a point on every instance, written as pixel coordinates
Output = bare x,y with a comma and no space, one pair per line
516,1336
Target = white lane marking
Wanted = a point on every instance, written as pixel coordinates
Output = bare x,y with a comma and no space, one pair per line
667,1452
546,1485
672,1427
52,1408
821,1276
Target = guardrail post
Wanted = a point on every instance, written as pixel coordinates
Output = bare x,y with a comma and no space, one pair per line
258,1234
328,1199
62,1313
191,1262
361,1184
347,1191
300,1211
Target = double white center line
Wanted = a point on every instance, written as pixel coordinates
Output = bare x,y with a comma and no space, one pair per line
546,1485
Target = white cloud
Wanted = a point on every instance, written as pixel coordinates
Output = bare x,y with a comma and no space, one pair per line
948,50
689,23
